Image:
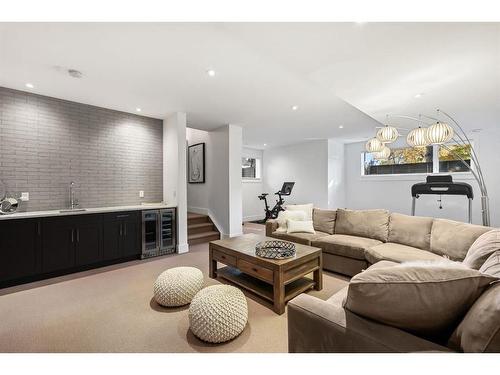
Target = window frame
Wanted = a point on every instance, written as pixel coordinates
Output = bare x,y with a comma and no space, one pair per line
465,175
258,170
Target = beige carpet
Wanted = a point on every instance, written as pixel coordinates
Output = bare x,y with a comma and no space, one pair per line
111,310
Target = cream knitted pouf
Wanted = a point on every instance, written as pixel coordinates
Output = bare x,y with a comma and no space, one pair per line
218,313
177,286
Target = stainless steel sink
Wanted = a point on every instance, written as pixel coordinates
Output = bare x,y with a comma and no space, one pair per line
73,210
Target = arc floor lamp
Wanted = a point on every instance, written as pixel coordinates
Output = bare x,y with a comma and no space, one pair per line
435,133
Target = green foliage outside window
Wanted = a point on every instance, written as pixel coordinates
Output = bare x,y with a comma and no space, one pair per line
448,153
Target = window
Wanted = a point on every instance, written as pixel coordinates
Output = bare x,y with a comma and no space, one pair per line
250,168
402,161
410,160
450,158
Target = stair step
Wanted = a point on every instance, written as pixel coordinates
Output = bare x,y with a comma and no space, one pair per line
203,237
203,234
197,218
200,228
203,240
192,215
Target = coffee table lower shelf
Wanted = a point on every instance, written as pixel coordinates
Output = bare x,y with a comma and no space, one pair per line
261,288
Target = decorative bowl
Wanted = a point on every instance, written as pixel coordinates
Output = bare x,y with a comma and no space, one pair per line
275,249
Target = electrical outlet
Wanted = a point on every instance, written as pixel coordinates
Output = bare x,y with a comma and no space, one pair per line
141,193
25,197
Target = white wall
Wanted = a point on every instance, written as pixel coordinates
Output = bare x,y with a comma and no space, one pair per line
306,164
220,196
336,175
393,193
197,194
174,172
253,208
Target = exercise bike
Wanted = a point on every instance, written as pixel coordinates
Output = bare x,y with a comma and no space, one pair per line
286,190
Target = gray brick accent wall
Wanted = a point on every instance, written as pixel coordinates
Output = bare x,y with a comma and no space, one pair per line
45,143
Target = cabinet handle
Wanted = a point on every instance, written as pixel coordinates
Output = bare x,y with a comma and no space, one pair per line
72,235
120,216
121,229
39,229
124,229
78,235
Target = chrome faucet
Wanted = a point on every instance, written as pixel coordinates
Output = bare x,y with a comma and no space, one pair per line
73,203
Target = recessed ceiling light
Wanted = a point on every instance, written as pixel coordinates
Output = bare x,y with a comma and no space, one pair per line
419,95
265,144
75,73
341,126
30,85
294,107
138,109
211,72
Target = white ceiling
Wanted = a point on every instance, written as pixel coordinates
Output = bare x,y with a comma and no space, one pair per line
336,73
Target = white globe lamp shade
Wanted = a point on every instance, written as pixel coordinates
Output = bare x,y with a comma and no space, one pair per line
382,155
418,137
374,145
387,134
439,133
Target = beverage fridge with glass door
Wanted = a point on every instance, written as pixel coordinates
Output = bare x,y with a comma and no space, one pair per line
158,232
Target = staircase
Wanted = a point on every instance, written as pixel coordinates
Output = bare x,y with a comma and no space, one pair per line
201,229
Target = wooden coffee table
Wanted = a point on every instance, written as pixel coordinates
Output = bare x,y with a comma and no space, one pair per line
277,281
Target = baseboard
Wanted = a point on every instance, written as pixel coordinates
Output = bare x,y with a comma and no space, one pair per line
182,248
253,218
225,236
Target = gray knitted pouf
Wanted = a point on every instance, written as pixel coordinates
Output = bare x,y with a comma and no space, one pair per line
177,286
218,313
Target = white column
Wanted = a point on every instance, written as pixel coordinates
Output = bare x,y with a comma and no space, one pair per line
174,172
235,183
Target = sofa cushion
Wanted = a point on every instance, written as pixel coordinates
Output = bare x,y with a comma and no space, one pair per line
324,220
426,298
453,238
306,208
372,224
413,231
479,331
344,245
485,245
492,265
302,238
396,252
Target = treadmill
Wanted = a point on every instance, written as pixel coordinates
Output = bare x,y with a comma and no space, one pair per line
441,185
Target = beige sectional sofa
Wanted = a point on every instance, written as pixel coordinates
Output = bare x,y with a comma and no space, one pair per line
356,240
352,240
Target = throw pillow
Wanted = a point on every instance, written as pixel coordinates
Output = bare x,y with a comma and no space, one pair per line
284,216
426,298
492,265
485,245
303,226
306,208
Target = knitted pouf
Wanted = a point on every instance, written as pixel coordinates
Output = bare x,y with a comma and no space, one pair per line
177,286
218,313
